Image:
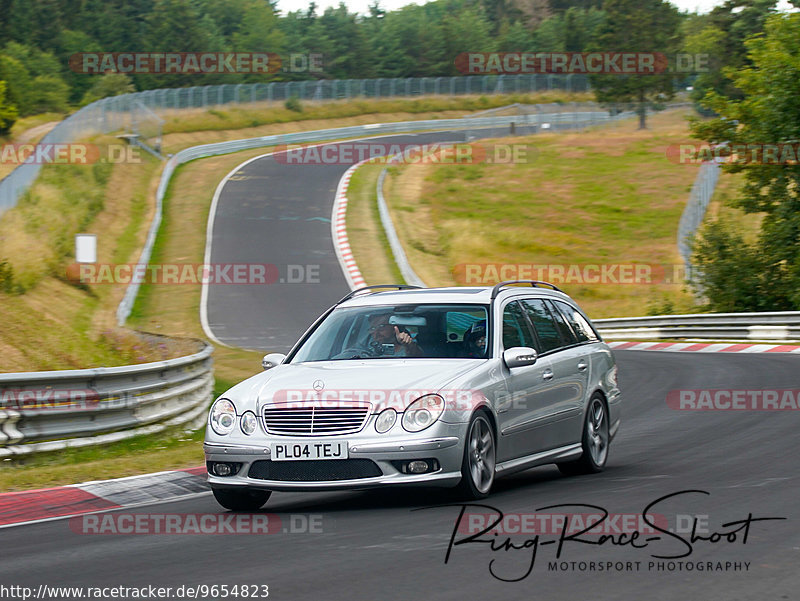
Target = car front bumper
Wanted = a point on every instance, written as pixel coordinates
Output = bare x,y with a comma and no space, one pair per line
445,445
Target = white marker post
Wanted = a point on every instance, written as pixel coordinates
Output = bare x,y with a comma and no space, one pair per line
85,248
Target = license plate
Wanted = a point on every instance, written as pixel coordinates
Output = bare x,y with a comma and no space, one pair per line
301,451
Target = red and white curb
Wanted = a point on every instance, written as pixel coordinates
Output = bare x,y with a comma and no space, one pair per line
339,230
704,347
48,504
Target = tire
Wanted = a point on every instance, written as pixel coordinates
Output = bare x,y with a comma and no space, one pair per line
595,441
479,461
241,500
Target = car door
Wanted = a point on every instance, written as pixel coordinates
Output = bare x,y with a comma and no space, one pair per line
528,397
557,345
572,367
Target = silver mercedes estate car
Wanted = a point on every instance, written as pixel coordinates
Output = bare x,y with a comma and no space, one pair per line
449,387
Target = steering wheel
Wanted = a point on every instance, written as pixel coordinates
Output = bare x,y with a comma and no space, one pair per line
355,352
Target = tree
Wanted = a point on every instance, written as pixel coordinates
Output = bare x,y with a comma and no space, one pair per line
108,84
18,83
765,115
8,112
76,42
637,26
259,32
720,35
466,30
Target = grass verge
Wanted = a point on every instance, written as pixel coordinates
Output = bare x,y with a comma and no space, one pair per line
172,449
366,235
608,195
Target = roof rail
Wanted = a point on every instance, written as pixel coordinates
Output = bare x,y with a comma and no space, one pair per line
362,289
533,283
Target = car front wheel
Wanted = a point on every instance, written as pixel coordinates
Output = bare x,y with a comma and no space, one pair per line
595,441
478,465
241,500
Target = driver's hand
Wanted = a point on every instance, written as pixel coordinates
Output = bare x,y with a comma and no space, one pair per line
402,337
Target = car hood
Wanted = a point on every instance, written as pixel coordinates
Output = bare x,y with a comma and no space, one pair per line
377,381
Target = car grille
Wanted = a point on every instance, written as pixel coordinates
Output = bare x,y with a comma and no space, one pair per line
314,470
315,421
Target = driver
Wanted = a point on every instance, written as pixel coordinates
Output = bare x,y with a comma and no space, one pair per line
382,333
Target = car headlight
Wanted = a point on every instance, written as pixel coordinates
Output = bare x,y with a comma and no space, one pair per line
223,417
386,419
248,422
423,412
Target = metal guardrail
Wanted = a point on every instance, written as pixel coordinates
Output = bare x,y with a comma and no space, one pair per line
408,273
779,326
574,115
53,410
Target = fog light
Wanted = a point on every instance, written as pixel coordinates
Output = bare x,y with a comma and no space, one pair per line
223,469
417,467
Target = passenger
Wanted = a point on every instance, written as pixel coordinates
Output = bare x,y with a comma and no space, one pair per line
475,341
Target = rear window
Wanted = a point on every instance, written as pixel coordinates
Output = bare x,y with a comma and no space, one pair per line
583,331
550,338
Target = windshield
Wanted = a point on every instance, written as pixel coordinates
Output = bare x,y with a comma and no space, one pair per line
383,332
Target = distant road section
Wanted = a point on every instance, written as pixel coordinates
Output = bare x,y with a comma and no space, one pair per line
275,213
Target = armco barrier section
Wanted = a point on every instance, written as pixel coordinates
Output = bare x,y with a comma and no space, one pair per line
781,326
52,410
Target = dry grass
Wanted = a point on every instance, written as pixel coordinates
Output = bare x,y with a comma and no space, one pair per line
57,324
263,113
604,196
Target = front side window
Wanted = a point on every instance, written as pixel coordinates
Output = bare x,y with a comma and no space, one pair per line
405,331
515,327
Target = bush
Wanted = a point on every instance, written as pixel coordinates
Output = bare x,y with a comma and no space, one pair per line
7,284
110,84
49,93
736,276
8,112
293,104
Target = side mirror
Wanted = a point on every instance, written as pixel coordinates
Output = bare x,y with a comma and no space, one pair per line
271,360
519,356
